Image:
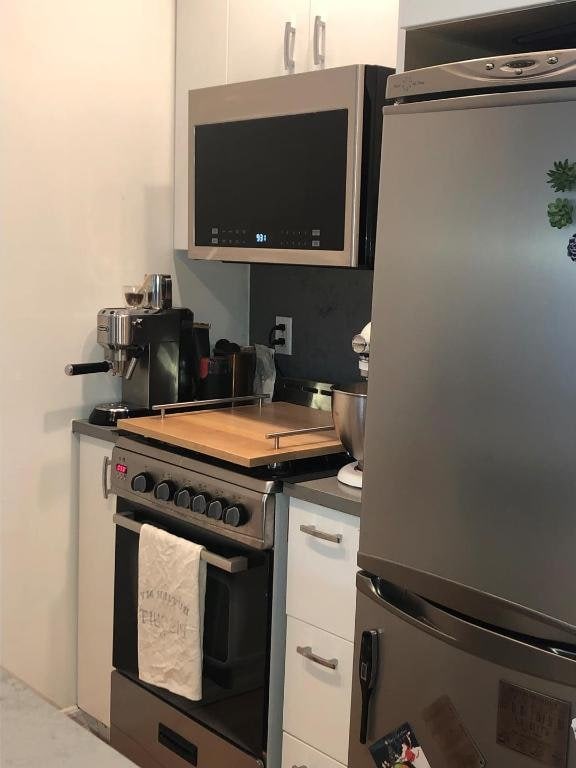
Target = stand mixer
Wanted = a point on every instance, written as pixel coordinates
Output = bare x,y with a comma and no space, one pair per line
349,412
152,349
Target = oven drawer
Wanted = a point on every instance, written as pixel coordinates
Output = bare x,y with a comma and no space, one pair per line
318,688
322,571
296,754
152,733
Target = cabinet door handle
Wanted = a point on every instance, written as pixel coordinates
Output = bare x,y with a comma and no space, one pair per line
299,766
307,652
289,43
319,32
311,530
105,466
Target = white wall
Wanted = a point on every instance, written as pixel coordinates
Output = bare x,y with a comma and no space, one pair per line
86,122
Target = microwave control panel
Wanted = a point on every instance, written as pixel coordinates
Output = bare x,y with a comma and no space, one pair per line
241,236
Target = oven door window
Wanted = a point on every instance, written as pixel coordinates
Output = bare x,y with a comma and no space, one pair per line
275,182
236,639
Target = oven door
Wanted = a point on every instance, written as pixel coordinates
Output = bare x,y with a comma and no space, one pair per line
236,648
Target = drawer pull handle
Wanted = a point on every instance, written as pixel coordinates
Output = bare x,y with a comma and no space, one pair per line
306,651
311,530
299,766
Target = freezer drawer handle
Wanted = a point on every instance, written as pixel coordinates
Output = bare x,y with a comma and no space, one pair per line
311,530
306,651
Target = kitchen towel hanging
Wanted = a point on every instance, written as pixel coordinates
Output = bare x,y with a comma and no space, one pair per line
171,594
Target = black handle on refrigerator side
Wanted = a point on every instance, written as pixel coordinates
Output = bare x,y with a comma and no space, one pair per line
76,369
368,673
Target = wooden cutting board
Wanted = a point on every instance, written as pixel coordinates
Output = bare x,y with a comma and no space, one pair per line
238,435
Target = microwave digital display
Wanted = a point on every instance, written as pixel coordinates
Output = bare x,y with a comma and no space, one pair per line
274,182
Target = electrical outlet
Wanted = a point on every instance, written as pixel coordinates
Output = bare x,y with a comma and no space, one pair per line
286,348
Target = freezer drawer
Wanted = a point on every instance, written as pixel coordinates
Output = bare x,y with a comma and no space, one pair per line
452,688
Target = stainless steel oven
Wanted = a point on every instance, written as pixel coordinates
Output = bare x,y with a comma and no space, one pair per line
233,517
286,170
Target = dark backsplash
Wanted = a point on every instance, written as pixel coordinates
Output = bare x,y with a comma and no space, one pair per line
327,306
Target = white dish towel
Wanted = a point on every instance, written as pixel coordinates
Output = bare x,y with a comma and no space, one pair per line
171,593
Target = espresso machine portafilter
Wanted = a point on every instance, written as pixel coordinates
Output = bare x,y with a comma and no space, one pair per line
151,348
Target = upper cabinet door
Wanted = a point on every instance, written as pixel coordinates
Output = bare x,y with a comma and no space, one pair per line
200,61
416,13
259,43
363,32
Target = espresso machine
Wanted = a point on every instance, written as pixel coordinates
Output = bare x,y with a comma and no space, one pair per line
151,346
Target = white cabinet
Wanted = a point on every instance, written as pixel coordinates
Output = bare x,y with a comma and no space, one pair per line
320,603
322,551
416,13
257,38
295,753
363,32
318,689
95,581
201,51
228,41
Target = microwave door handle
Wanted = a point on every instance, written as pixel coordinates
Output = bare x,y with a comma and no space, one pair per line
319,31
289,43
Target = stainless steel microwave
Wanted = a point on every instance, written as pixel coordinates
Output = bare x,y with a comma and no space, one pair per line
286,170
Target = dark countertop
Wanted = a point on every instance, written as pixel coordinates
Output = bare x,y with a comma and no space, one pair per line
327,492
83,427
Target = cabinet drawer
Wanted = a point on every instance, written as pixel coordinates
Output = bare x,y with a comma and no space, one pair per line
316,697
296,754
322,573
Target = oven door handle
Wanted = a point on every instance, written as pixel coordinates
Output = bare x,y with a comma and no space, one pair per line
228,564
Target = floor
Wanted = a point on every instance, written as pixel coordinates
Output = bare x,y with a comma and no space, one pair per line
35,733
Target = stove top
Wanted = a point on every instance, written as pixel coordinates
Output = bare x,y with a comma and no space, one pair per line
231,501
296,470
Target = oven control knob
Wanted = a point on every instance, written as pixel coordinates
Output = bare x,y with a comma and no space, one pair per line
199,503
142,482
164,491
183,497
215,509
235,515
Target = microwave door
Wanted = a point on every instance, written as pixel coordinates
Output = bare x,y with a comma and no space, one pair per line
275,169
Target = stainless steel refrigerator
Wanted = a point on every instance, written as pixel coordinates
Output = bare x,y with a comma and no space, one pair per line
466,601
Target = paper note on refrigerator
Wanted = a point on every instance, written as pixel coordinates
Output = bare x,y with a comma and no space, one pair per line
399,748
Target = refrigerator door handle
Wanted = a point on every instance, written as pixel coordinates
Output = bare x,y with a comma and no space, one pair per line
368,674
511,650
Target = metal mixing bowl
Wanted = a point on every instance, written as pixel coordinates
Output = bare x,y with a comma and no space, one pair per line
349,414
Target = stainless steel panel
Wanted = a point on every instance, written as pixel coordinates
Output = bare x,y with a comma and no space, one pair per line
338,88
470,443
539,68
139,720
258,532
421,665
